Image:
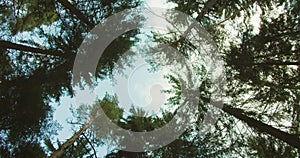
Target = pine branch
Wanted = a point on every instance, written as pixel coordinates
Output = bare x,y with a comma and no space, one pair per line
10,45
76,12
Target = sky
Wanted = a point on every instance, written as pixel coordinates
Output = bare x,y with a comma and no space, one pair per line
139,88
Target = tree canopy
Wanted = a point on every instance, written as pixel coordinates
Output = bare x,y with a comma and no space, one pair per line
259,42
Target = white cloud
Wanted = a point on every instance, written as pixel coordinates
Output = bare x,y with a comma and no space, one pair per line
159,3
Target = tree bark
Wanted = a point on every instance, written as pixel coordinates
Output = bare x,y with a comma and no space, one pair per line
290,139
59,152
76,12
279,63
208,5
262,127
10,45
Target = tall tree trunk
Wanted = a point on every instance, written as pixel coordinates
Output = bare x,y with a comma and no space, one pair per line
262,127
59,152
296,122
10,45
279,63
76,12
290,139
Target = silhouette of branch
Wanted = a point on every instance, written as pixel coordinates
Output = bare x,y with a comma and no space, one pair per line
95,153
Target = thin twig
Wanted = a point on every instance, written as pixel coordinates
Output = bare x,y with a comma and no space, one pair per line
219,23
95,153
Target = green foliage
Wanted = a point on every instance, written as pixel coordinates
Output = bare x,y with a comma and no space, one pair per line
112,58
270,148
262,72
110,106
262,66
30,150
32,14
176,90
29,81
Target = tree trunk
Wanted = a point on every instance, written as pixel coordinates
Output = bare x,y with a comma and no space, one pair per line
10,45
290,139
279,63
208,5
59,152
262,127
76,12
280,35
